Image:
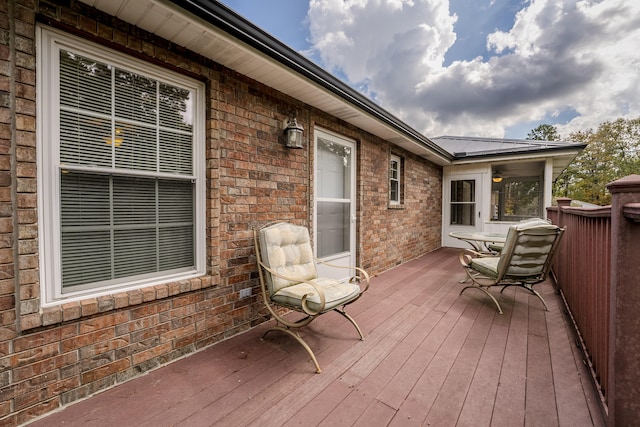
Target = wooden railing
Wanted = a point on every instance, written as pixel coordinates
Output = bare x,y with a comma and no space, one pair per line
582,269
597,270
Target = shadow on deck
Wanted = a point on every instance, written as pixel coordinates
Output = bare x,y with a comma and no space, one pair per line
431,357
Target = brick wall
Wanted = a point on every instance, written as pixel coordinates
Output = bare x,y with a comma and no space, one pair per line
54,356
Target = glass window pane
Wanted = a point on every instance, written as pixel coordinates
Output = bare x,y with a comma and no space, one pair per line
85,140
176,247
176,107
135,252
136,147
116,227
463,191
517,198
85,84
463,214
394,169
84,200
86,257
334,170
333,228
176,152
134,201
394,193
136,97
462,206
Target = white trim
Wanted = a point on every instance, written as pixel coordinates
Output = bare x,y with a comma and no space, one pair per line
341,258
398,160
48,42
446,206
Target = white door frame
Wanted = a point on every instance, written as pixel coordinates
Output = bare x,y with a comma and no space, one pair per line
348,256
446,211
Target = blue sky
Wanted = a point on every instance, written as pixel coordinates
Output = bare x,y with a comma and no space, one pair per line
493,68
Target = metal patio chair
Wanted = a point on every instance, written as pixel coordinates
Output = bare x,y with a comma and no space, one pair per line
525,259
289,279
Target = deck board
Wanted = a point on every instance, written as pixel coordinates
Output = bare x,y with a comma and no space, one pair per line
431,357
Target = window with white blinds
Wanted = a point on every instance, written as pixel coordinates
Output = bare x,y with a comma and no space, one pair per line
119,146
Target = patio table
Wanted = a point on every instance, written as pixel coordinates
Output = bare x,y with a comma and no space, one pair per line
478,239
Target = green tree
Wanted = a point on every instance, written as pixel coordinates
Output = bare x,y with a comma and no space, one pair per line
544,132
612,152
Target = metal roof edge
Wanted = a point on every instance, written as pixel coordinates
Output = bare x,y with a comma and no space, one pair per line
233,24
542,147
509,154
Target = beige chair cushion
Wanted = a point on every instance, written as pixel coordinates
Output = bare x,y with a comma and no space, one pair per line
336,293
530,249
286,249
488,266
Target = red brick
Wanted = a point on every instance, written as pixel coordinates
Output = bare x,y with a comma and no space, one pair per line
51,315
30,413
87,339
30,321
105,370
149,309
71,311
7,302
31,356
5,409
103,347
137,325
42,338
151,353
120,300
102,322
135,297
89,307
25,372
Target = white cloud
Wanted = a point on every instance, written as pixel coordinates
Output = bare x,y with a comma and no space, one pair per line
558,55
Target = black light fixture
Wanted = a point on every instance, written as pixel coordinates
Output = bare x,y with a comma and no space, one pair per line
293,132
496,177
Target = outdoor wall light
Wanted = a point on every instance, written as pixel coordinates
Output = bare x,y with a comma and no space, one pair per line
293,132
497,177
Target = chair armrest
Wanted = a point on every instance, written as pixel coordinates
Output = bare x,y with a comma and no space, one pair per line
305,307
467,255
362,276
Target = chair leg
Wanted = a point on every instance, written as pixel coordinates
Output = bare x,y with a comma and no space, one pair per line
486,292
546,307
530,289
353,322
300,341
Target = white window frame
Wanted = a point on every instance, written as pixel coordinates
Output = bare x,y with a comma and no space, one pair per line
398,179
49,43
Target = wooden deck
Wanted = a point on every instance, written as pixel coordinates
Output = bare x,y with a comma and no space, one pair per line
431,357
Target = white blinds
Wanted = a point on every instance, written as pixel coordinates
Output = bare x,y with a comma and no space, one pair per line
127,191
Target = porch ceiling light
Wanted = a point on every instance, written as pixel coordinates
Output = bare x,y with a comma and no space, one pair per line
293,132
497,177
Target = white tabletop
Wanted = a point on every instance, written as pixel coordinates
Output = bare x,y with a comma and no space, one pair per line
475,238
479,236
